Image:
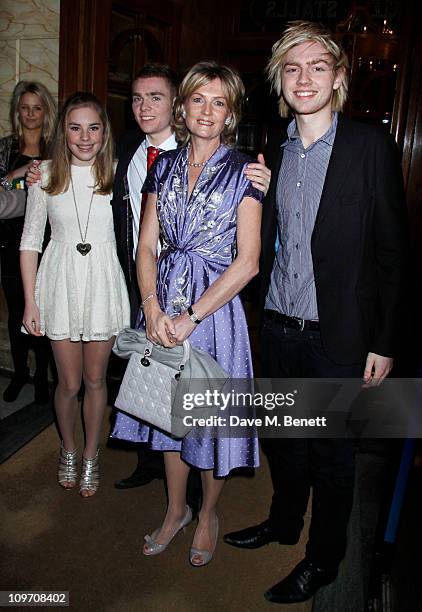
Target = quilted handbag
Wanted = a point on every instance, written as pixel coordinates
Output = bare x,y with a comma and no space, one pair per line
156,377
146,389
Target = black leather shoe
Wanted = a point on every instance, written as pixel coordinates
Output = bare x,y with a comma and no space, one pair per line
139,478
256,536
13,389
301,584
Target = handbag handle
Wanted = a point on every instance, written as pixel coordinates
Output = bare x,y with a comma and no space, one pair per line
186,355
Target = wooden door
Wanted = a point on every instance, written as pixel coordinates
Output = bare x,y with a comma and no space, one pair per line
104,43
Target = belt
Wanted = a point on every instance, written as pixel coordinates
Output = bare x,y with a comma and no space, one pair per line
292,322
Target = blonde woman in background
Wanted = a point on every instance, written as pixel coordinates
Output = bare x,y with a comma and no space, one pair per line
32,117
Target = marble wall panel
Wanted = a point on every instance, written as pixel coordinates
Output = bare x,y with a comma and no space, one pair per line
29,18
29,47
39,61
7,66
4,115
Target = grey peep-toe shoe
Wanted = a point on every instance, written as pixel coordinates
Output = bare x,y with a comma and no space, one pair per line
152,547
206,555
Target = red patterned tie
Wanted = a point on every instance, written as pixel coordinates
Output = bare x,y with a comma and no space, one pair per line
152,154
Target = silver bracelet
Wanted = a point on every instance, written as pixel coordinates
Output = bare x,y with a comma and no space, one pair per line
147,299
6,184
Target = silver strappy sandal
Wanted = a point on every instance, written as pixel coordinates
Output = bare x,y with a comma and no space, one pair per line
67,471
90,475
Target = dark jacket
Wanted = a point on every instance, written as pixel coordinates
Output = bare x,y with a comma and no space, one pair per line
122,216
357,245
11,223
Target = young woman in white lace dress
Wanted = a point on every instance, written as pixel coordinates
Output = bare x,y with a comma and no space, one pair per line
78,297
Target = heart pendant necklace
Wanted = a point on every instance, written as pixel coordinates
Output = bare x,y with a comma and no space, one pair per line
82,247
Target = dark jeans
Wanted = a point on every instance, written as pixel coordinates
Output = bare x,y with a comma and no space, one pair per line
296,465
21,343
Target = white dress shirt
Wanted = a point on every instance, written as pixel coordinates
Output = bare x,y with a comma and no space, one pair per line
136,175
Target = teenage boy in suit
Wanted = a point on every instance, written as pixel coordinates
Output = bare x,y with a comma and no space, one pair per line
331,291
153,92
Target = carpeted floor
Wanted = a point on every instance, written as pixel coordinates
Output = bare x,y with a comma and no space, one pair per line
54,540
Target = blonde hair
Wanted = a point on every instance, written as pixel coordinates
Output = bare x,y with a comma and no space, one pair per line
201,74
49,107
295,34
61,156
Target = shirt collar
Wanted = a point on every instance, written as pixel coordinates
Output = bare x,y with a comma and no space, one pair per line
328,137
168,145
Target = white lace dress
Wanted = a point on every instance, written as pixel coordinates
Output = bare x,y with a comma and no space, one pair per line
79,297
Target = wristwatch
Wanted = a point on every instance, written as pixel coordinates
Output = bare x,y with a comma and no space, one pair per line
6,184
193,316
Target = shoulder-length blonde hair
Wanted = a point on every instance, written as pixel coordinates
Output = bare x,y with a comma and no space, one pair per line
50,112
201,74
61,155
297,33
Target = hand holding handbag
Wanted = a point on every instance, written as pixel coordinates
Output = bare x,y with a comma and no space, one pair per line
149,389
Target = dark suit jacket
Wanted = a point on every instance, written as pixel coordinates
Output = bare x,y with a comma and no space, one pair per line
122,216
357,245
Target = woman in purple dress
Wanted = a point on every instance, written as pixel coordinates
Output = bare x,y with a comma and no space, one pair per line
208,215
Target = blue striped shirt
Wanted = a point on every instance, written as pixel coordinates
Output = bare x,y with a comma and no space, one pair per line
299,188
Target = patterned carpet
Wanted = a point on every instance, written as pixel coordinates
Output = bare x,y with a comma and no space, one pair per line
54,540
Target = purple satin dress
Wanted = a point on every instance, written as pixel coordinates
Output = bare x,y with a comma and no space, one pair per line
199,236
